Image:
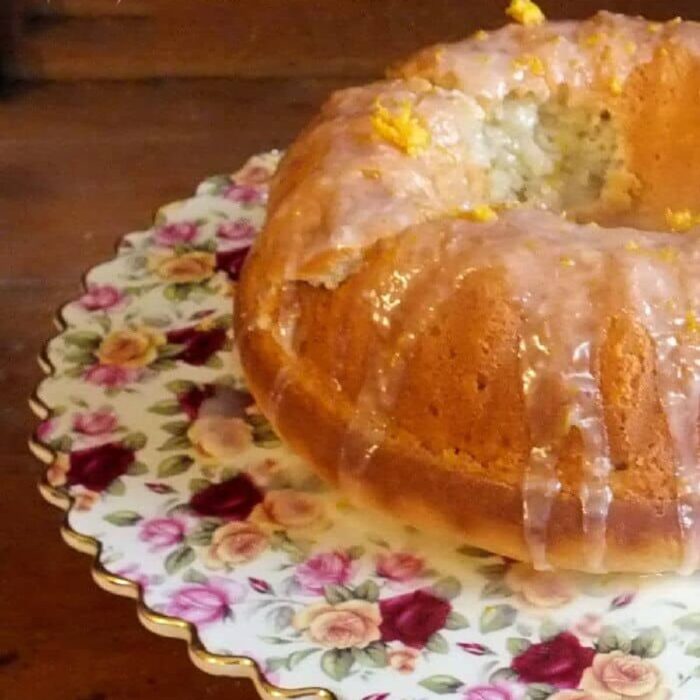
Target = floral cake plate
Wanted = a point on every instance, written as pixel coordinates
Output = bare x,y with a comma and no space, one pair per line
185,497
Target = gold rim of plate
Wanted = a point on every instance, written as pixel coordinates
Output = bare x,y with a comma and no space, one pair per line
158,623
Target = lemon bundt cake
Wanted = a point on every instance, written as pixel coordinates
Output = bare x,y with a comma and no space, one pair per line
475,300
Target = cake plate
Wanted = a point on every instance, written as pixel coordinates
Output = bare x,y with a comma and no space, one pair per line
184,497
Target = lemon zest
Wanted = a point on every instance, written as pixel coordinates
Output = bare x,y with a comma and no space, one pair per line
594,39
481,35
615,85
401,129
529,62
681,220
668,254
566,261
525,12
482,214
691,321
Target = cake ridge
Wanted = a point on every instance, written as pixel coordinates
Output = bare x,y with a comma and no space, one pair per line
490,171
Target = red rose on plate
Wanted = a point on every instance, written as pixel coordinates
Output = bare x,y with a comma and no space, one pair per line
191,400
412,618
198,345
233,499
559,661
96,468
231,261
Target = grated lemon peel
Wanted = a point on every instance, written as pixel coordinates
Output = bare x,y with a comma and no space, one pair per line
615,85
402,129
481,214
692,323
525,12
681,220
529,62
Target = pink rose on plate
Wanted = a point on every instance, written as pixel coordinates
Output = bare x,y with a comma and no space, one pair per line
100,297
252,174
399,566
245,194
175,234
321,570
98,422
162,533
240,232
204,603
45,429
495,691
96,468
111,376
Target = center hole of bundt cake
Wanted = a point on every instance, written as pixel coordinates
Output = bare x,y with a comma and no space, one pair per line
625,158
552,154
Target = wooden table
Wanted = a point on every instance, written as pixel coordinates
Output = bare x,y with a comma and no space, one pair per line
80,164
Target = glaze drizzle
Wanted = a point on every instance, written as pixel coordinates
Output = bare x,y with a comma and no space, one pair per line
412,179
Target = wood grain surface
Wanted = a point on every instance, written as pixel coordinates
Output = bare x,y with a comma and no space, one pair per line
82,163
130,39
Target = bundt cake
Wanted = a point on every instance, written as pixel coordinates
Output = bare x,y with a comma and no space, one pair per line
475,302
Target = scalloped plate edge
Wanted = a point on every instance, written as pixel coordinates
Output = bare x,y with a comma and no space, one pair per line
162,625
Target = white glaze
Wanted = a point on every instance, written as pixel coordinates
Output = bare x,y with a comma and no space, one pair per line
561,286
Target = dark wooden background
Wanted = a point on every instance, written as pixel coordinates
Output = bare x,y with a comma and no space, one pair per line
108,109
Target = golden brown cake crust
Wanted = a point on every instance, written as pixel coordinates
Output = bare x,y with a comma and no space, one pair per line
476,499
455,444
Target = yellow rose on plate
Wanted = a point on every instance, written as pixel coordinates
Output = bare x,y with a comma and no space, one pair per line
352,623
265,472
57,473
235,543
541,589
291,510
86,499
618,676
218,438
194,266
130,347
